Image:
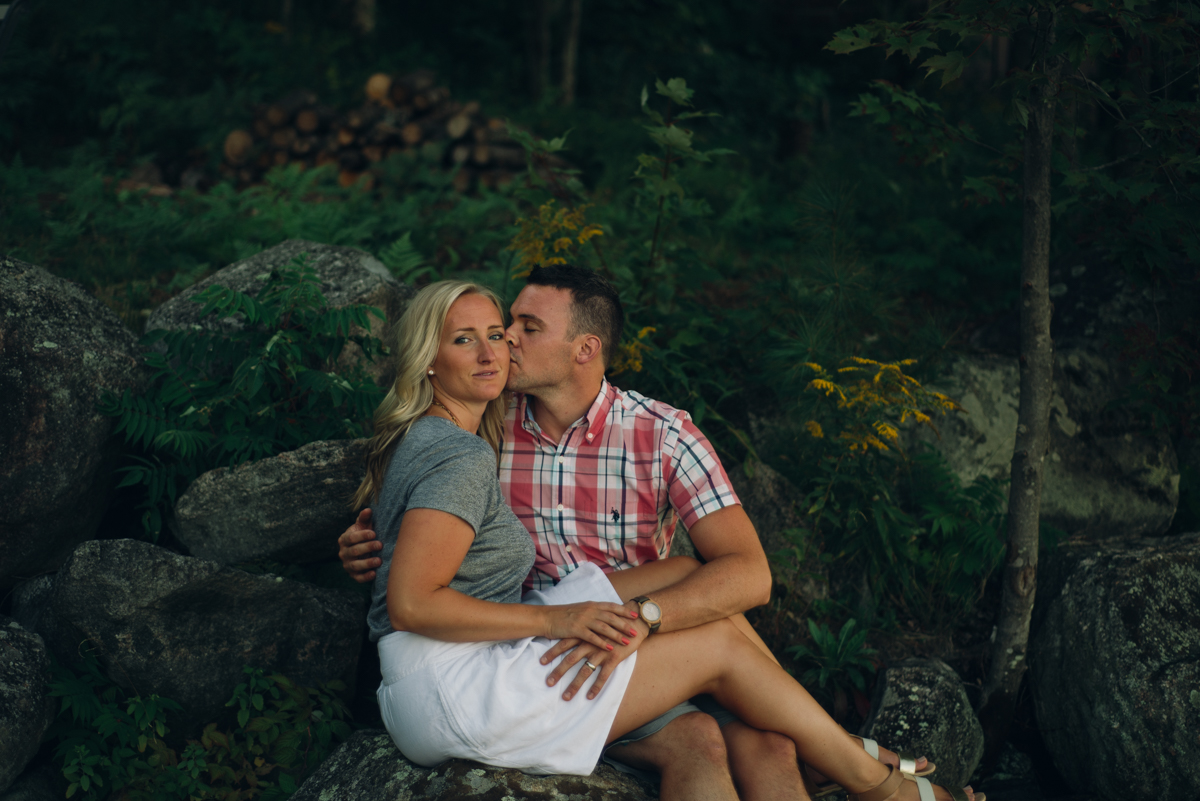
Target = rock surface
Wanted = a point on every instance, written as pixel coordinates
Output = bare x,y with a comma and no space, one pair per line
920,706
289,508
25,708
369,767
58,348
1107,474
183,627
347,275
774,505
1115,666
41,783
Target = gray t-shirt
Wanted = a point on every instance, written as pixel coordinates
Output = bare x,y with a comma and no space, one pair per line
440,466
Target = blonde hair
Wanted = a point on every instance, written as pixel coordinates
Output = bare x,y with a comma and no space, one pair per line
416,340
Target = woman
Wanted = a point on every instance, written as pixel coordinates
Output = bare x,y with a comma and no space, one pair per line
461,655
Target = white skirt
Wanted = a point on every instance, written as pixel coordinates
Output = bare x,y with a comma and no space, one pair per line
489,701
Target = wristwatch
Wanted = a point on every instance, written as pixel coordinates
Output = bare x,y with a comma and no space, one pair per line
650,612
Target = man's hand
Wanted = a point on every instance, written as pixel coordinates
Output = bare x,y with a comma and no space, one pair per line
357,548
606,662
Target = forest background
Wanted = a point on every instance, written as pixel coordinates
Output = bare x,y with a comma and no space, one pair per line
837,211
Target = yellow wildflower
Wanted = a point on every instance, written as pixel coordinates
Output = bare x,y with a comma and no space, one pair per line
814,428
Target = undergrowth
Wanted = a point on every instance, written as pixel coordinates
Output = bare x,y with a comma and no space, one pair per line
110,743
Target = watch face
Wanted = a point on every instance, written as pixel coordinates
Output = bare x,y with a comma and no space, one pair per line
651,612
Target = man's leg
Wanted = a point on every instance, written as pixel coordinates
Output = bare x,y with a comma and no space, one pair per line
689,754
763,764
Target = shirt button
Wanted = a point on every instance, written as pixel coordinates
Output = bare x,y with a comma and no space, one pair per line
590,436
561,460
560,507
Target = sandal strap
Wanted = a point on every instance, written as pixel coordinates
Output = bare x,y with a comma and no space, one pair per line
884,789
908,762
959,795
926,790
870,746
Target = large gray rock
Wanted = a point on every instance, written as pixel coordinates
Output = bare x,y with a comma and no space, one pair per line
1107,473
183,627
775,506
40,783
30,599
289,508
25,708
919,705
369,767
1115,666
58,348
347,275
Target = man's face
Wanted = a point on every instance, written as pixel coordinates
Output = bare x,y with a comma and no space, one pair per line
542,356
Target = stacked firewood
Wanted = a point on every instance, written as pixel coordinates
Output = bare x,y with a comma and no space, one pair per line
409,114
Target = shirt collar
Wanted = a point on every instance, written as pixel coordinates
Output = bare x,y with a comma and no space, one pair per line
593,422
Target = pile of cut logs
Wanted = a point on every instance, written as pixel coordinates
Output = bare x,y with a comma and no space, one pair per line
409,114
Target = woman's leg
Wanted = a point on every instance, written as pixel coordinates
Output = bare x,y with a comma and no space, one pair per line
717,658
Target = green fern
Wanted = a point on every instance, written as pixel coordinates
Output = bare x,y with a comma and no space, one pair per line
238,393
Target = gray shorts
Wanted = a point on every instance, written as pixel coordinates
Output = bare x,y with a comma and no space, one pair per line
701,703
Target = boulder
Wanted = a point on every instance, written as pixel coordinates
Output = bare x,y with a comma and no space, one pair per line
289,508
59,347
347,276
183,627
775,505
25,707
40,783
1107,472
30,599
1115,666
369,767
919,705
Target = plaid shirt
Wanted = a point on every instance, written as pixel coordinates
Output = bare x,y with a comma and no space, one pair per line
612,490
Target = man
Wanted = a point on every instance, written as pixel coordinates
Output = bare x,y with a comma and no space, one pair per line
601,475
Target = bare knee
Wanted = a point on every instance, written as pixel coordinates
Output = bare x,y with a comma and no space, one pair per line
765,746
688,738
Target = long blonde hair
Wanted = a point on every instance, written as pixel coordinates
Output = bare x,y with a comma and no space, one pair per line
416,340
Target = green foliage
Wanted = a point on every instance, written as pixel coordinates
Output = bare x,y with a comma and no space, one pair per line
113,744
841,661
266,377
921,541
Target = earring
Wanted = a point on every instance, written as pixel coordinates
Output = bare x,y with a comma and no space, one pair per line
431,372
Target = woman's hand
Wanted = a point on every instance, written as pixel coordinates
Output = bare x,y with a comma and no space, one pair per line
603,625
606,660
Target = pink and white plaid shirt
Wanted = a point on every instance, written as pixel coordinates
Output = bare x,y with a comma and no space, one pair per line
611,491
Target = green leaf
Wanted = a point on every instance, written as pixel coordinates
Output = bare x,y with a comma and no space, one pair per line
676,89
848,40
951,65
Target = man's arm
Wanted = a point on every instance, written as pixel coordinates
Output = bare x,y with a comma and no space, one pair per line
357,548
736,578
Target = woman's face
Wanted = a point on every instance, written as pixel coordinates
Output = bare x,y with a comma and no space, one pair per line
472,360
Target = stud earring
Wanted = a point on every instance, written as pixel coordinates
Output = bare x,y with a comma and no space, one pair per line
431,372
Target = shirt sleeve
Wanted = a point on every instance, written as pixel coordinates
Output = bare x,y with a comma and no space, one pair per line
457,479
696,482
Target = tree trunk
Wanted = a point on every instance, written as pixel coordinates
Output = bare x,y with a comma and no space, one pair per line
571,53
1010,645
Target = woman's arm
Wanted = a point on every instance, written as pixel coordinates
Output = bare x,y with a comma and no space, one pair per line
430,549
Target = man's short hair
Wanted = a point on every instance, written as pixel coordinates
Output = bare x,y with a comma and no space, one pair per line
595,304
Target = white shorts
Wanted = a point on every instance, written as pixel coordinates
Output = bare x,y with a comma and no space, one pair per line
489,701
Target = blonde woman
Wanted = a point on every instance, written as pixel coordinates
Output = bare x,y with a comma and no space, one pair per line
459,650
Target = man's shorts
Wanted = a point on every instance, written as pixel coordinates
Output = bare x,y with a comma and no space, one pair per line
701,703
